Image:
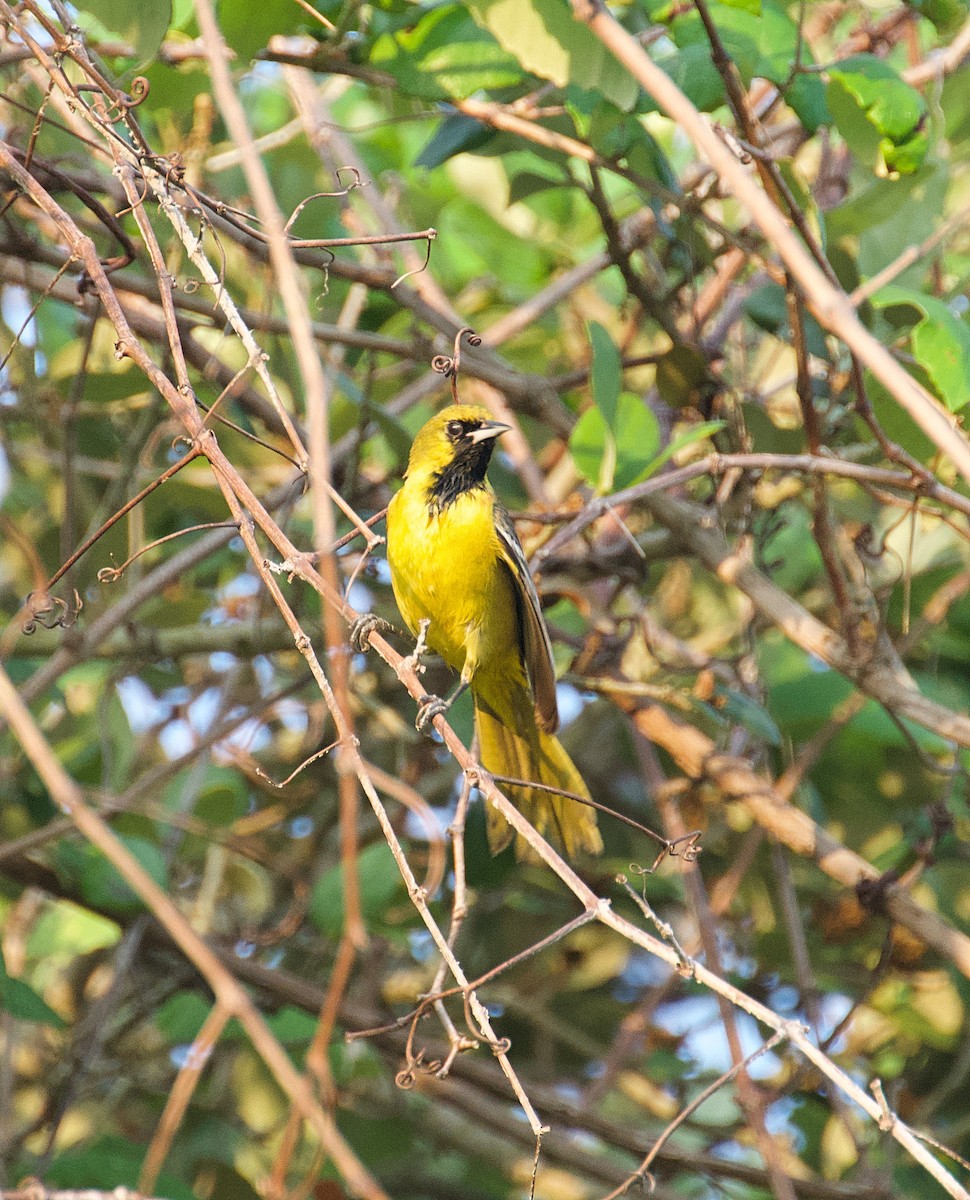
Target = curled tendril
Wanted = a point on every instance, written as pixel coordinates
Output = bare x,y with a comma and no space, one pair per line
140,87
110,574
325,270
123,102
358,181
51,612
415,1066
449,367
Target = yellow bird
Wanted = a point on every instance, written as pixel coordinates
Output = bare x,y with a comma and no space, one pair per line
457,564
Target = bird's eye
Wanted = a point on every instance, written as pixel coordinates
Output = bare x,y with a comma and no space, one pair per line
455,430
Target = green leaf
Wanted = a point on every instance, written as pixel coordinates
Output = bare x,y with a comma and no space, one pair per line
955,105
292,1026
380,882
617,455
67,929
889,200
896,422
893,107
696,433
102,885
880,116
618,135
593,449
946,15
767,308
547,40
693,72
223,799
741,32
247,28
741,709
940,342
806,96
180,1017
183,12
456,134
141,25
524,184
445,55
637,436
20,1000
760,39
111,1161
779,41
907,156
607,373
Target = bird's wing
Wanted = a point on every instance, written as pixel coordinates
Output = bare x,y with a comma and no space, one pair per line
536,645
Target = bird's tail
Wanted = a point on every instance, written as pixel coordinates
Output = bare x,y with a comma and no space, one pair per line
525,752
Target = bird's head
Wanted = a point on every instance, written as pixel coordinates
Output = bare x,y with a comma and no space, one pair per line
451,452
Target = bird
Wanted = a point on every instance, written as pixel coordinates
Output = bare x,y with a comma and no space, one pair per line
459,574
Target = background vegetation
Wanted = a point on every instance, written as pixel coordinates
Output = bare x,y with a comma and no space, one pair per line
717,254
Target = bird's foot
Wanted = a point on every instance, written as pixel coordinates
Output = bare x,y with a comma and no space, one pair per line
363,627
429,708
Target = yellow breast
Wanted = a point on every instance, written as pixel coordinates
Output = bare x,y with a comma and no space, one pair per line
446,568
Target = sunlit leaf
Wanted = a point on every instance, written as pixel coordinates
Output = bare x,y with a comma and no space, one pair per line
547,40
880,116
637,435
593,449
445,54
940,342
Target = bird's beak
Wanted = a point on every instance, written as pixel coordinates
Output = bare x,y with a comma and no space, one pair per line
491,429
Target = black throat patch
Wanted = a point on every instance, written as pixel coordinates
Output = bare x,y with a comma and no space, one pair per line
465,472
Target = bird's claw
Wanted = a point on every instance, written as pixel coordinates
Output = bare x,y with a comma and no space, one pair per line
363,627
429,708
